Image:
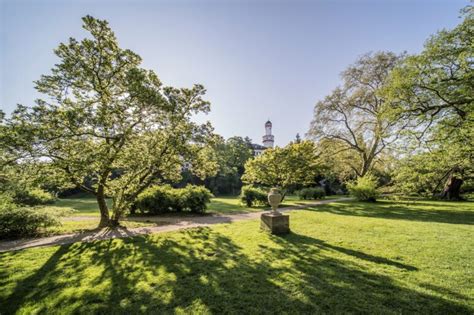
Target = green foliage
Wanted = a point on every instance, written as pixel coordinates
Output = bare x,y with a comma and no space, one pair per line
433,93
25,183
364,188
27,221
435,87
21,185
253,196
33,197
161,199
388,257
353,125
156,199
425,173
104,113
311,193
295,164
231,157
195,198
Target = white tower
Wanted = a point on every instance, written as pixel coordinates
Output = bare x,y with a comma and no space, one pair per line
268,138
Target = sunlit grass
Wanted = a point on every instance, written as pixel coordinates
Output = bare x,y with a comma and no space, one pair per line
347,257
86,205
85,225
86,214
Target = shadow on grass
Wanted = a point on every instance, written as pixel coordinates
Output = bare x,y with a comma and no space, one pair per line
200,270
425,212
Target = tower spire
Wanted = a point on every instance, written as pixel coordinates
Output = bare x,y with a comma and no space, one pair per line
268,138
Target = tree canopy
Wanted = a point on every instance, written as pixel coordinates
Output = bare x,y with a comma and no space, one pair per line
434,92
107,119
436,86
354,121
295,164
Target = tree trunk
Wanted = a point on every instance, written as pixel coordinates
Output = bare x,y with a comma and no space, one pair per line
452,189
104,210
283,195
133,209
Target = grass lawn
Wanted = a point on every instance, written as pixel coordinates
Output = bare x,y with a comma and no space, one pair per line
390,257
293,200
86,205
86,216
72,225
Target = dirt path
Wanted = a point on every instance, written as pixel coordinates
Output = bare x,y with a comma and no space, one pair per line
176,223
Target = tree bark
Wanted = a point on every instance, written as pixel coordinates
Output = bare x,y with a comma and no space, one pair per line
283,195
452,189
104,210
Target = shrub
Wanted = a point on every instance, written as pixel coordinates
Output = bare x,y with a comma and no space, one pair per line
252,196
155,199
311,193
364,188
27,221
195,198
33,197
161,199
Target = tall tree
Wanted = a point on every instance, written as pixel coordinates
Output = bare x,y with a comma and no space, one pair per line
437,85
231,155
105,113
434,91
355,118
295,164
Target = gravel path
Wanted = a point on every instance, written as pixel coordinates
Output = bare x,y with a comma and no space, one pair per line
176,223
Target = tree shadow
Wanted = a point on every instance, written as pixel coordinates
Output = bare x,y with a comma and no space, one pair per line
440,212
200,270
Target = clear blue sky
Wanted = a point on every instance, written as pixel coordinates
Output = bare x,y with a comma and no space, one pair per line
257,59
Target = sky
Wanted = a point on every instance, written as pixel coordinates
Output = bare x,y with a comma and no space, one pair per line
258,60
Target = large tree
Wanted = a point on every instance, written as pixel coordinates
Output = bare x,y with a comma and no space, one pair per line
434,172
437,85
354,119
434,91
232,155
295,164
112,122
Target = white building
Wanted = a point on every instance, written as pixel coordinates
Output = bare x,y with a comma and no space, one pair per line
268,140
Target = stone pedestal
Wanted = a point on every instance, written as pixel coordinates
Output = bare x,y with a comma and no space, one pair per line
275,222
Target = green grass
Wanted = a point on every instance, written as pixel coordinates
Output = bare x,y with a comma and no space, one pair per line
86,205
86,215
293,200
229,205
232,204
390,257
77,226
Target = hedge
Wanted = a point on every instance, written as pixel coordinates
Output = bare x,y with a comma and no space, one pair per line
162,199
311,193
252,196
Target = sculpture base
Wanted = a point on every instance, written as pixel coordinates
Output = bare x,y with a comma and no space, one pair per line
275,223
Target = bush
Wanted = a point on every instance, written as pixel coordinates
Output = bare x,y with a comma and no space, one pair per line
161,199
195,198
155,199
311,193
364,188
27,221
33,197
252,196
